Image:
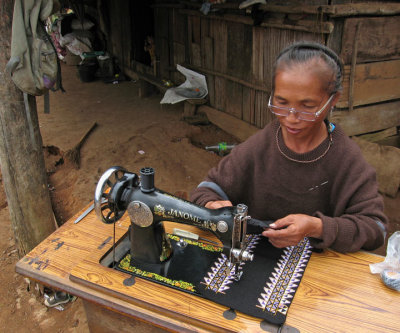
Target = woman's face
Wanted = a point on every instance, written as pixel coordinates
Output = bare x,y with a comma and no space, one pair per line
301,87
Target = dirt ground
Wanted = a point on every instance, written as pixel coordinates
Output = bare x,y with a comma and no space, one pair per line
132,132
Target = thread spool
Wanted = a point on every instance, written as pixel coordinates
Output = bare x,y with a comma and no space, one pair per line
147,179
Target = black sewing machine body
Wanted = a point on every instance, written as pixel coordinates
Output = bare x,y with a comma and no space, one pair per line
119,191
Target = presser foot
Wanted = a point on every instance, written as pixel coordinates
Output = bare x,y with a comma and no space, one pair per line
237,276
236,273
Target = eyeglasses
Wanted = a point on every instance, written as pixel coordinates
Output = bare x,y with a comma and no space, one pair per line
302,115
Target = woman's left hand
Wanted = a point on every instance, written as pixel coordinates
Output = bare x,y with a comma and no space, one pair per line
291,229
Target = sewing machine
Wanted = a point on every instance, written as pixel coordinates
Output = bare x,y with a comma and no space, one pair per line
119,191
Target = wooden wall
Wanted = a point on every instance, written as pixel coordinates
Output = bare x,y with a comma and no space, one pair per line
370,49
237,56
127,23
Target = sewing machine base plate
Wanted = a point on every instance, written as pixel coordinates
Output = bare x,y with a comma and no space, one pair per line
265,290
184,271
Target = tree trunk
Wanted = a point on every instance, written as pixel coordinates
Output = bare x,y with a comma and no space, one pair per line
21,154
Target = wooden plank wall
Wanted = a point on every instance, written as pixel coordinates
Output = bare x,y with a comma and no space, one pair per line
161,38
370,50
237,58
120,38
378,39
231,54
374,82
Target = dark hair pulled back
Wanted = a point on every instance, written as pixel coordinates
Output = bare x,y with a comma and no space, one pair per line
302,52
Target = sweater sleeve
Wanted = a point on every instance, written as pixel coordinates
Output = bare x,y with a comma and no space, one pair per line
230,175
226,176
358,221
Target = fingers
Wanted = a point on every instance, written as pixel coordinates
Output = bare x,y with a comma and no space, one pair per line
288,231
284,222
218,204
275,232
278,228
279,243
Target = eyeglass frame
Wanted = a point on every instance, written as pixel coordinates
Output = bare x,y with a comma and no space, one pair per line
296,112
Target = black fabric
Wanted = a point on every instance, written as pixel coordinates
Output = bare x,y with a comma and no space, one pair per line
265,290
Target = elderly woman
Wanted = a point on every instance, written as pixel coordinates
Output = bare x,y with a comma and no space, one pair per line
300,170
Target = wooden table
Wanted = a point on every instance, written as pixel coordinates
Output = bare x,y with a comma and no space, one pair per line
337,293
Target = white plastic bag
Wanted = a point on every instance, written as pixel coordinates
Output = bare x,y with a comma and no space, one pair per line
195,87
389,269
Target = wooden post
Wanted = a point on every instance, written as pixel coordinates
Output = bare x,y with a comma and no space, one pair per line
189,109
353,67
21,155
145,88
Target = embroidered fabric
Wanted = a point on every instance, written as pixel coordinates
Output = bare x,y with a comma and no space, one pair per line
265,290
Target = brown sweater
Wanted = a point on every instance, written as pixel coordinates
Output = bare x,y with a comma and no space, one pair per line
340,188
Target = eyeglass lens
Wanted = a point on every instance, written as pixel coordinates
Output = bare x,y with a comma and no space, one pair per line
309,116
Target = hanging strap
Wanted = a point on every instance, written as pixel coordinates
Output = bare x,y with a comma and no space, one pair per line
46,102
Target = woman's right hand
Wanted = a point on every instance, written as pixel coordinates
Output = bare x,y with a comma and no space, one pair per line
218,204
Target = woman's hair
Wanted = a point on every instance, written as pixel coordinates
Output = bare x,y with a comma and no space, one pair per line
303,52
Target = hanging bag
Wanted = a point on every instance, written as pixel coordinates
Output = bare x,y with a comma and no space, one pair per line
34,65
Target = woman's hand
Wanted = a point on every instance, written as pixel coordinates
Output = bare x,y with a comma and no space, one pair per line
291,229
218,204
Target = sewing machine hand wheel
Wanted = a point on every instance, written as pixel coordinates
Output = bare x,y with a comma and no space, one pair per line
106,210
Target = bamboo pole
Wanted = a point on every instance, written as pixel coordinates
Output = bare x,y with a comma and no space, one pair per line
350,9
361,9
302,25
228,77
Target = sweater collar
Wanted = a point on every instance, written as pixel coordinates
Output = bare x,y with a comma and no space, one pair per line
311,156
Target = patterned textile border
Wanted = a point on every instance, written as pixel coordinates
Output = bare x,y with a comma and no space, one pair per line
221,275
286,278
